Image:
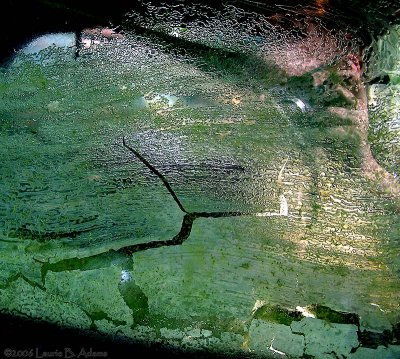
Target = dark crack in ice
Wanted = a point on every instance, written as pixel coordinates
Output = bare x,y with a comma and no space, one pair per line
122,254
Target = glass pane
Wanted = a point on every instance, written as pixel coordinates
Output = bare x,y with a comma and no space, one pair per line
214,179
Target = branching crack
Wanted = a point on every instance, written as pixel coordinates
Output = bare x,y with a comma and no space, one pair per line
157,173
17,276
188,218
90,262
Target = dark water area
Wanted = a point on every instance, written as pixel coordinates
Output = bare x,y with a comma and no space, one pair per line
22,20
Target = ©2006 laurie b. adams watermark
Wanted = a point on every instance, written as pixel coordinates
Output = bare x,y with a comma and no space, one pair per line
65,353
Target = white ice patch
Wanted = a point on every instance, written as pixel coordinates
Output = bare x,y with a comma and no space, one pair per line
305,312
284,208
126,276
258,304
300,104
159,100
275,350
378,306
61,40
171,99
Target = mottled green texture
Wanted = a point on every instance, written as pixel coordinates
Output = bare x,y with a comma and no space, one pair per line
227,140
391,352
135,299
384,103
265,337
385,55
276,314
384,133
331,316
326,340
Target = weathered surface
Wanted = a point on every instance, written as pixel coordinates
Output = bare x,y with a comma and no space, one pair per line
326,340
197,197
271,338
